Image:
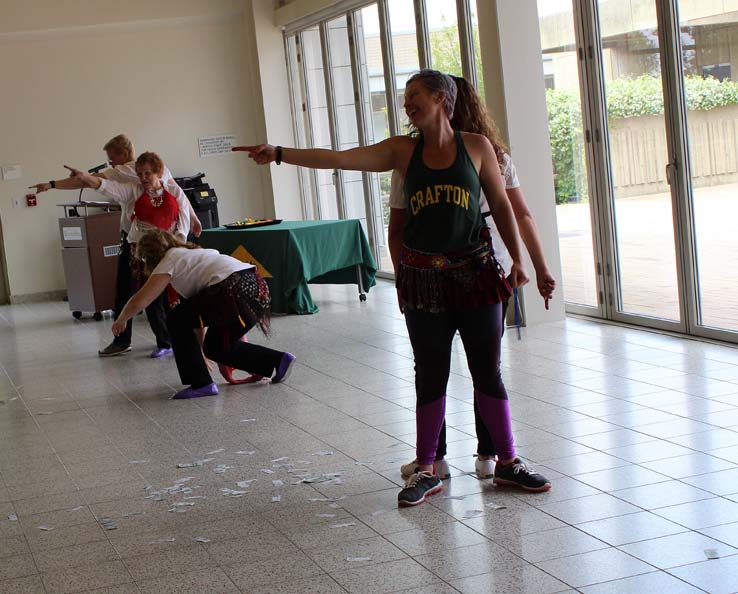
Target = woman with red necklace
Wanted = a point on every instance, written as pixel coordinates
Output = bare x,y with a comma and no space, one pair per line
152,204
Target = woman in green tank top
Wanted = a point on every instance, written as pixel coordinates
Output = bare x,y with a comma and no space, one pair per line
446,274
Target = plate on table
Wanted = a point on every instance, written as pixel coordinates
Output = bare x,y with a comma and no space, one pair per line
251,223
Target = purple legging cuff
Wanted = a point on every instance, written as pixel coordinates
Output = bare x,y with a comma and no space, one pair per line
428,420
495,413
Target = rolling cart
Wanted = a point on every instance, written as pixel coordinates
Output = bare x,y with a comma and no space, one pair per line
90,236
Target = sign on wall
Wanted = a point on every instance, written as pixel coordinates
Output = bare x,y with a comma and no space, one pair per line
216,145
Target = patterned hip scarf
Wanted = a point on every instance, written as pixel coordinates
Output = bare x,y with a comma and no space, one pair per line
442,282
244,295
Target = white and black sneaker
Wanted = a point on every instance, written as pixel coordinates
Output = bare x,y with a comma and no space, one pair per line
518,474
417,487
484,468
441,468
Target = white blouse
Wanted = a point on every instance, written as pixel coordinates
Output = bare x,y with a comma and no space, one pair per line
192,270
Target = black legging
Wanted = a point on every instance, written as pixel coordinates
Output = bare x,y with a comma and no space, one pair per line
124,289
222,345
485,445
431,335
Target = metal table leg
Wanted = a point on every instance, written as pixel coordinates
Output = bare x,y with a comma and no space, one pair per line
360,282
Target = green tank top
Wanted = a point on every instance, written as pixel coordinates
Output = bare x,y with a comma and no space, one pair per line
443,213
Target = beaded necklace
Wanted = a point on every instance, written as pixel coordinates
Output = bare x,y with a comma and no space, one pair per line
157,201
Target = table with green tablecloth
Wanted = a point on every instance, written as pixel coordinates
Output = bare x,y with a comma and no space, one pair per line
294,253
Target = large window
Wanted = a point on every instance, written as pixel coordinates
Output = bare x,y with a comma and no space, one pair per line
326,206
443,35
347,93
643,121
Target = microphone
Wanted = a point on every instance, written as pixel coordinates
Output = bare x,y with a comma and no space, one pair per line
97,168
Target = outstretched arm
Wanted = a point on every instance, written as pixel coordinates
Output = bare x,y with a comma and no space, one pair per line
141,300
84,180
68,183
382,156
122,193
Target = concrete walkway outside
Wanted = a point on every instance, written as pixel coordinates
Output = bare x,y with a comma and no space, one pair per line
648,263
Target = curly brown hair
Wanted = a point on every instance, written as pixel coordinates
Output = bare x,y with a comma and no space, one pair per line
470,115
152,160
154,244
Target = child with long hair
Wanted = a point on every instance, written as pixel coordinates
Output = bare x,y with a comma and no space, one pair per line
212,290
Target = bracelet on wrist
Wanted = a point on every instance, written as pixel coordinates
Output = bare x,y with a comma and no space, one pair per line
52,183
278,160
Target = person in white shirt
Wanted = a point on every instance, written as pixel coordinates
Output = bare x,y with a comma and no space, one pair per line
150,203
470,115
207,289
121,157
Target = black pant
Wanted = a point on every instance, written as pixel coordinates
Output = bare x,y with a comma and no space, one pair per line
431,336
123,290
156,313
125,286
222,345
485,446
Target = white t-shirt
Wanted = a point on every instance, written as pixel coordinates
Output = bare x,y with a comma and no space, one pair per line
509,173
126,195
194,270
126,174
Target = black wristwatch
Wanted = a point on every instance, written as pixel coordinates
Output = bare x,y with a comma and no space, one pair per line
52,183
278,160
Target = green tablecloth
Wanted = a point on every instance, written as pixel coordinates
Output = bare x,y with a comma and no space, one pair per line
292,254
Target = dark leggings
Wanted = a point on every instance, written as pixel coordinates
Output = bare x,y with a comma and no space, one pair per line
431,336
222,345
156,313
123,290
125,287
485,445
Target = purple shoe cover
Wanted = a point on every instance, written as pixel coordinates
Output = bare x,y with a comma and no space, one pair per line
159,352
209,390
284,368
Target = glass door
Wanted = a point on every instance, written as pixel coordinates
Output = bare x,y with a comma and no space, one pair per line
320,126
378,123
645,285
344,109
708,34
298,90
566,85
443,35
658,102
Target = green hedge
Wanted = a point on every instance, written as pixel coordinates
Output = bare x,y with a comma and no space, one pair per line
626,98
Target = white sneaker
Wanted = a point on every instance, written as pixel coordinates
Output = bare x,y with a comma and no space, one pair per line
485,469
442,470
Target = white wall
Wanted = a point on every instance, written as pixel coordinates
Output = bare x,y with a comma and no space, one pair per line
277,128
165,72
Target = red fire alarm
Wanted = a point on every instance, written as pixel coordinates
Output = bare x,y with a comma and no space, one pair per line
30,199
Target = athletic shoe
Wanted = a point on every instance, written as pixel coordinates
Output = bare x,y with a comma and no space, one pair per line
417,487
284,368
208,390
442,469
519,475
114,349
484,469
158,352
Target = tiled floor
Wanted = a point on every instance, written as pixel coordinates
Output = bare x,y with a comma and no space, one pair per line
638,431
